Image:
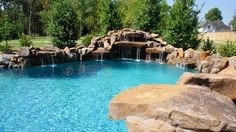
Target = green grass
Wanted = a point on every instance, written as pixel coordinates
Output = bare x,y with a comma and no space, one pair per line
37,42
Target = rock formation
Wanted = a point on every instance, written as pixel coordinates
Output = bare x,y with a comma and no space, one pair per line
223,84
172,108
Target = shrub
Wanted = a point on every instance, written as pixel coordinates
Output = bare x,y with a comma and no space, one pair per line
25,41
228,50
64,24
87,40
209,46
6,49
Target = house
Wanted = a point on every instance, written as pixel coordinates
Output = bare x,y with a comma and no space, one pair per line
213,26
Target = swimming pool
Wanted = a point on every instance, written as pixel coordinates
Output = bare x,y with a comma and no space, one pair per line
73,96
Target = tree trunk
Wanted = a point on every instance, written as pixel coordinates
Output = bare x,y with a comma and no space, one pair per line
30,19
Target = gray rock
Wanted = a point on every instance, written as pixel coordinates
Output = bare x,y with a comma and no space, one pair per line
24,52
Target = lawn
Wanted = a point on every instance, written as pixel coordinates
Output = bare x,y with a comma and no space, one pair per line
37,42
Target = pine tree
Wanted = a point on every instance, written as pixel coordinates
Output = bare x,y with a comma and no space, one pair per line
64,26
182,28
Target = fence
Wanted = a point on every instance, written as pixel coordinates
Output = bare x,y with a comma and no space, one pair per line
220,36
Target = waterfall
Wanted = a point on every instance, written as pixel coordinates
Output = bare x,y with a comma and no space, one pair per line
42,62
101,59
122,53
181,65
161,56
52,60
138,52
99,44
148,57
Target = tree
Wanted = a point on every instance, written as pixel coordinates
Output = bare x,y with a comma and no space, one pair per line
64,26
214,15
233,23
103,11
143,14
6,29
182,27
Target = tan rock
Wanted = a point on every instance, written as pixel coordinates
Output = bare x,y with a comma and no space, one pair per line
113,39
172,58
186,107
180,53
189,53
213,64
232,61
219,64
204,55
143,124
107,46
169,48
155,50
230,70
223,84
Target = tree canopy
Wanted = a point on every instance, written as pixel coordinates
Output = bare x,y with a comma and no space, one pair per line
214,15
233,23
182,27
67,21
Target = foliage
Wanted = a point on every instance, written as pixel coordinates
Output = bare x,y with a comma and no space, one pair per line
25,41
182,26
144,14
233,23
214,15
6,49
227,50
6,29
64,26
209,46
87,39
24,14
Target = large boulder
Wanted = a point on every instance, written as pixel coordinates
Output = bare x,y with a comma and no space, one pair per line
185,107
144,124
24,52
213,64
232,61
169,49
230,70
189,53
223,84
172,58
51,48
180,53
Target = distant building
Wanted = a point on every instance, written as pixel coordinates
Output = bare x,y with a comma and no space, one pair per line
215,26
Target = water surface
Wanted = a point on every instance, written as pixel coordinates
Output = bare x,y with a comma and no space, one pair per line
73,96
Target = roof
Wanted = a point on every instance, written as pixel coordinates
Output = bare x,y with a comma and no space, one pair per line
218,25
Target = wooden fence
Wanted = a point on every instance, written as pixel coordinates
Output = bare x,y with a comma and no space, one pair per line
220,36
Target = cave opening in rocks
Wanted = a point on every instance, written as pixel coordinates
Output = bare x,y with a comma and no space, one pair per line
128,52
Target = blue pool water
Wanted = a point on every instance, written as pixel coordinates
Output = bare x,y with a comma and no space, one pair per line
73,96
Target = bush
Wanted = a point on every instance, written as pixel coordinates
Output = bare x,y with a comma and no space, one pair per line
64,24
25,41
87,40
6,49
227,50
209,46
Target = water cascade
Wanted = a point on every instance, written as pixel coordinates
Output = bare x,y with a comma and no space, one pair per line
181,65
161,56
99,44
42,62
52,60
148,57
138,52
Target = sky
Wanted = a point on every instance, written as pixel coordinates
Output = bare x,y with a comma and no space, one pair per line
227,7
